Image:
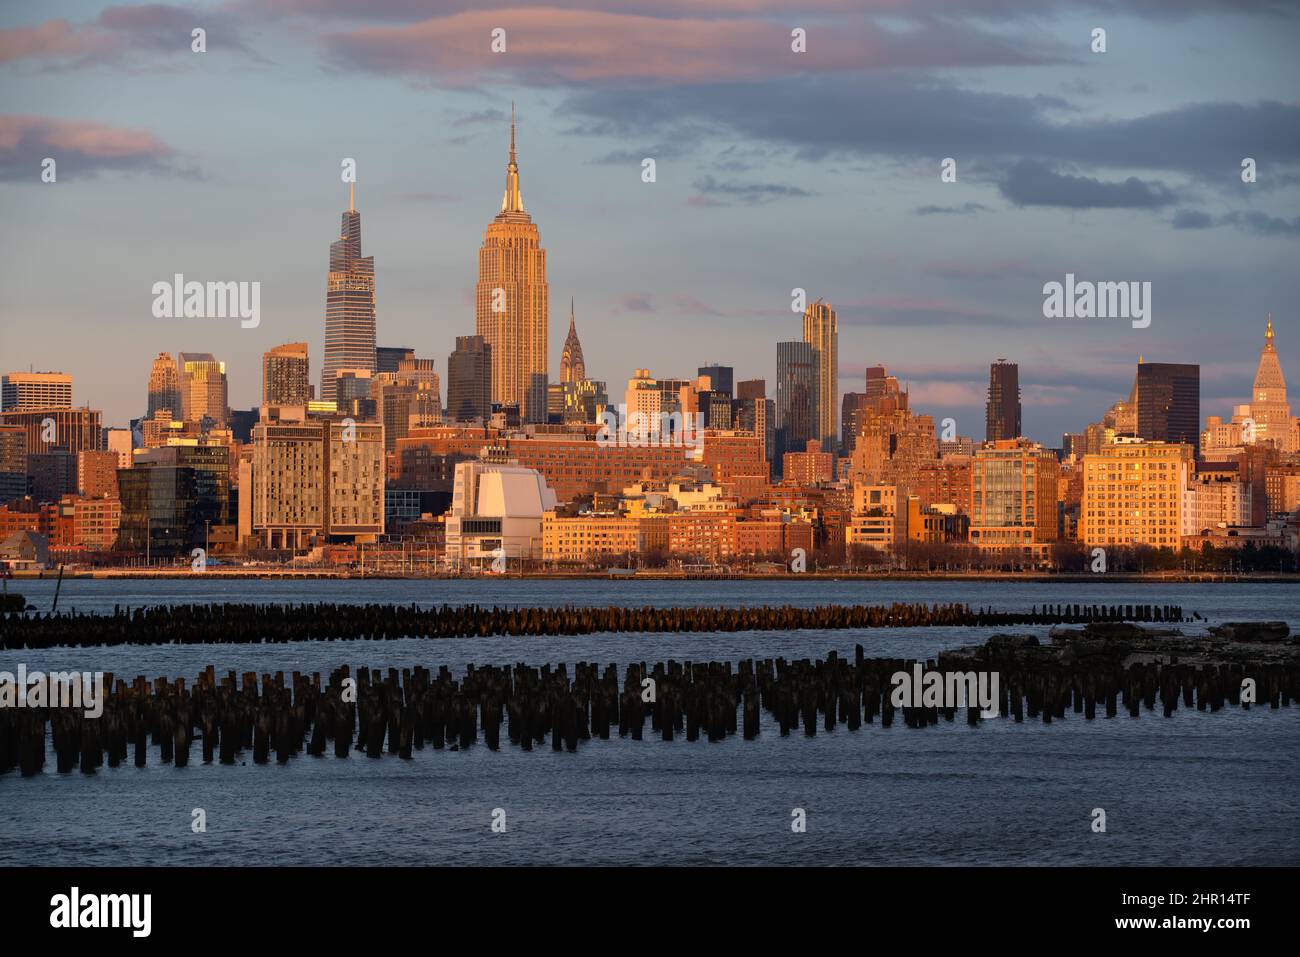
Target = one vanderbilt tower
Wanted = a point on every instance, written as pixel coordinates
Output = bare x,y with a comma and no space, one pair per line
349,303
512,301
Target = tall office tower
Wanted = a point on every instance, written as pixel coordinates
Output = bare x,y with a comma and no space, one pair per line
714,409
164,386
585,401
20,391
512,301
1168,399
203,388
671,393
349,303
409,397
388,358
469,381
285,377
13,463
851,407
821,331
351,385
1269,408
755,412
1002,414
796,382
572,366
720,378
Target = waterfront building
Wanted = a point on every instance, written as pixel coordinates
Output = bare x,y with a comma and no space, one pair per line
1136,492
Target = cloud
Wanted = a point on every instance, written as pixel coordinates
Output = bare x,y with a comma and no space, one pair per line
555,45
1261,224
1031,183
53,39
1256,223
904,117
1192,219
118,31
636,302
414,10
752,194
965,209
481,118
79,147
690,306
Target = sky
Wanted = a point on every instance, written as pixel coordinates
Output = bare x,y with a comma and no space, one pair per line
774,170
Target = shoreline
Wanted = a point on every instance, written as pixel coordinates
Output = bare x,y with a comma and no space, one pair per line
1174,577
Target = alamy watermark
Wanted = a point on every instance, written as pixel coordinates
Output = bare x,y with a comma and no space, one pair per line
953,689
179,299
621,429
1098,300
75,909
82,690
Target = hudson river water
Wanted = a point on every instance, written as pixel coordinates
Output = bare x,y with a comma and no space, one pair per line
1194,789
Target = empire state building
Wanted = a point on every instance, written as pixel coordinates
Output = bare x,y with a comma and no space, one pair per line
512,301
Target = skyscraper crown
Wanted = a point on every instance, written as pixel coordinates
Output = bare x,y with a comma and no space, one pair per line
513,200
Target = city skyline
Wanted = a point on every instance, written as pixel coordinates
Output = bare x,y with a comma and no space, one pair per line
935,264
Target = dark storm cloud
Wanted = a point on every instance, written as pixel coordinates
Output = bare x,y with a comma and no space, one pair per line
1031,183
1254,222
1192,219
818,117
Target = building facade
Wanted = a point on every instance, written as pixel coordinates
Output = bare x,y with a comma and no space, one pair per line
1137,493
349,304
513,302
24,391
821,332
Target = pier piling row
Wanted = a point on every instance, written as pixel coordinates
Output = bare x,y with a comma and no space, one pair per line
258,623
377,712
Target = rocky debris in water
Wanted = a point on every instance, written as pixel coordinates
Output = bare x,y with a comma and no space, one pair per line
1121,644
1252,631
1112,631
1009,643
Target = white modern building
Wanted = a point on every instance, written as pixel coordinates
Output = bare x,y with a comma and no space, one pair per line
496,515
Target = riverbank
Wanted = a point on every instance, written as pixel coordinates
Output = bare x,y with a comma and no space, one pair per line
657,575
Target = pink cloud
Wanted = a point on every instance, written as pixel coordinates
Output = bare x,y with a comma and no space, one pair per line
155,27
52,39
79,146
548,45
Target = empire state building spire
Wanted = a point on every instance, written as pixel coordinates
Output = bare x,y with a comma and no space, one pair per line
513,200
512,301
